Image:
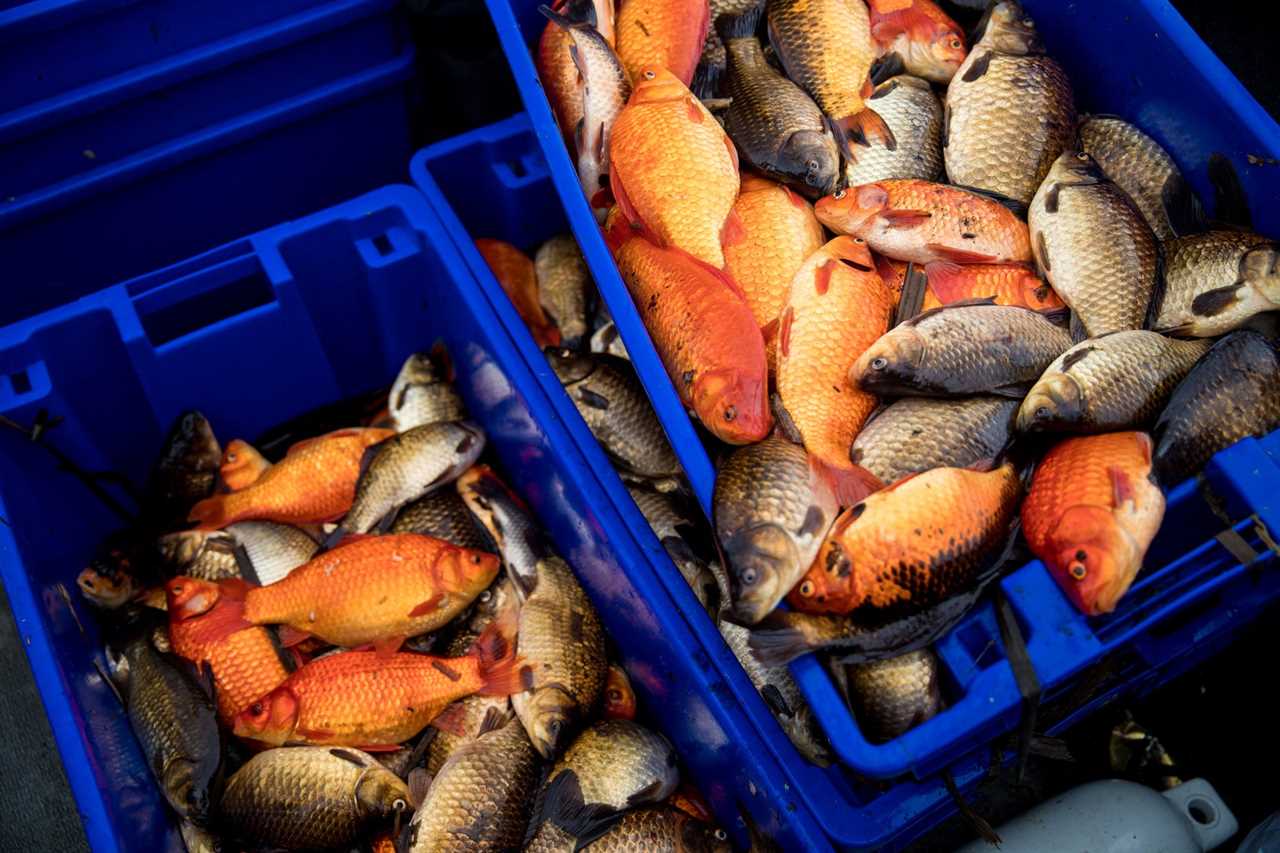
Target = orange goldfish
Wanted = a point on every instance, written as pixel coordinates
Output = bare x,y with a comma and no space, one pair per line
619,698
914,544
674,172
837,307
662,34
373,589
704,332
1007,284
374,702
514,270
913,220
206,629
315,482
555,65
1092,511
779,233
242,465
930,43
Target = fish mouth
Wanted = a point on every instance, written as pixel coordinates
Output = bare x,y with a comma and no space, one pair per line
1057,400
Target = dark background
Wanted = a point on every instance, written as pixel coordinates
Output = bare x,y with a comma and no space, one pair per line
1216,722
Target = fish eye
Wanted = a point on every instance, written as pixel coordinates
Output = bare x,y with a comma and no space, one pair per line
1083,157
475,558
879,363
231,457
399,805
615,695
1027,22
649,75
177,590
257,709
839,194
555,726
859,241
748,576
1042,413
730,413
721,835
485,596
806,589
955,43
1078,571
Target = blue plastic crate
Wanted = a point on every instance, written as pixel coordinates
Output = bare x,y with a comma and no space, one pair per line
1135,59
179,155
261,330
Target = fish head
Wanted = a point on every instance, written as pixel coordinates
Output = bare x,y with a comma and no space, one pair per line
554,717
241,464
381,793
185,788
467,570
619,698
655,84
181,549
891,362
271,719
732,405
699,837
1010,30
1036,293
1093,558
853,210
193,437
187,597
1056,399
569,366
762,561
946,54
830,584
810,157
107,581
1260,268
1075,167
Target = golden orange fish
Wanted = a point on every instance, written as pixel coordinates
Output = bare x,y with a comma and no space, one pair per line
619,698
837,307
242,465
930,43
921,221
315,482
514,270
1007,284
674,171
706,336
662,34
1092,511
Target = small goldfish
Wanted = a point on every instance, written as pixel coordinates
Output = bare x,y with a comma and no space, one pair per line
619,698
315,482
930,43
920,221
664,143
242,465
205,628
706,336
373,589
838,306
1092,510
662,34
374,702
514,270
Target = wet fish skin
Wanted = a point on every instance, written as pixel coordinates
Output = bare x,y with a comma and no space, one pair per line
888,697
205,554
930,44
914,115
662,34
619,697
1232,392
960,349
661,830
1216,281
1144,170
473,714
775,124
1093,246
443,515
1010,110
709,75
480,799
914,434
298,798
771,512
176,723
619,764
514,271
781,693
273,549
184,473
407,466
564,283
422,394
610,398
1114,382
675,528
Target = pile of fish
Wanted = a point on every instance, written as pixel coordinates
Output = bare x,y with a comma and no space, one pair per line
932,310
367,641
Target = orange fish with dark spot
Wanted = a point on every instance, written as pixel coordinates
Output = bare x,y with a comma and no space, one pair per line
914,544
619,698
514,270
375,702
779,233
1092,511
1007,284
838,306
921,221
315,482
674,171
662,34
373,589
704,332
242,465
930,43
206,629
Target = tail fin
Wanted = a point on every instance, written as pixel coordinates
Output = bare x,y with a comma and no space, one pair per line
849,483
862,128
502,672
740,26
212,513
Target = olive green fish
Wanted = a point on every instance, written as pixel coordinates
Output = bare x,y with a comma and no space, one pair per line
915,434
1216,281
563,285
422,394
442,514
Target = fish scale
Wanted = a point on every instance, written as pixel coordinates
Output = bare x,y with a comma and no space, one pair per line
1138,164
888,697
918,433
661,830
1093,246
662,34
1216,281
442,514
826,48
563,284
907,104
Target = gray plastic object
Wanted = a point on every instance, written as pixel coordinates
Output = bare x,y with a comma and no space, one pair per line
1115,816
1265,837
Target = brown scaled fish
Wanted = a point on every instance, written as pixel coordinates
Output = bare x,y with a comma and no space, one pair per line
914,544
826,48
563,284
1117,381
914,434
771,511
914,115
1010,110
1215,282
708,77
777,127
890,696
1093,246
515,273
184,474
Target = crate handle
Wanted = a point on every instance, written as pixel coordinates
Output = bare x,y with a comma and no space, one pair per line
192,303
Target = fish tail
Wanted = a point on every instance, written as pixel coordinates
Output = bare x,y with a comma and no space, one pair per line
742,25
501,671
213,513
849,483
780,639
862,128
